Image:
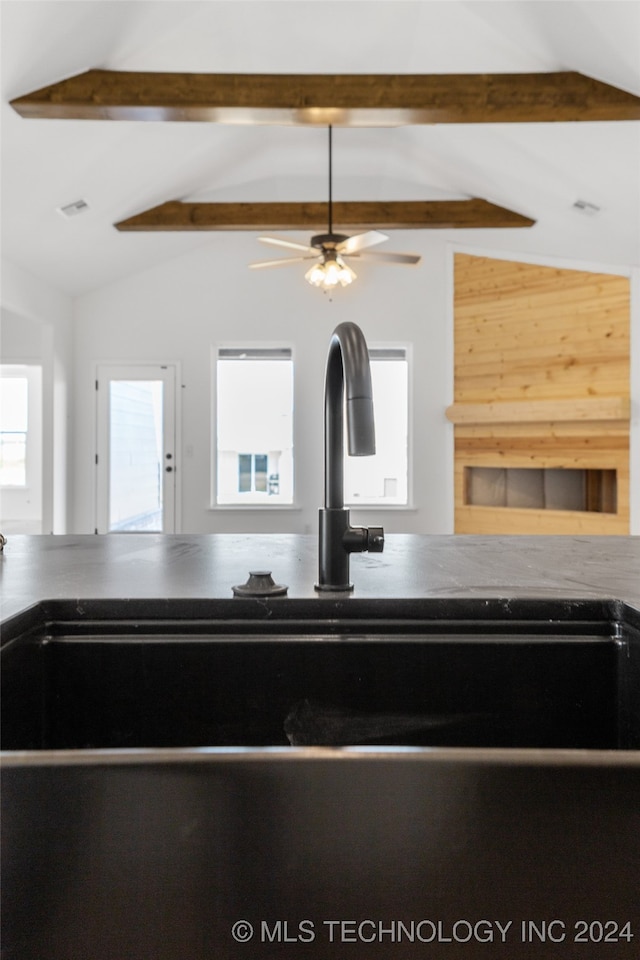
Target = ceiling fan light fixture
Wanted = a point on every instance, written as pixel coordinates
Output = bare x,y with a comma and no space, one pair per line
330,271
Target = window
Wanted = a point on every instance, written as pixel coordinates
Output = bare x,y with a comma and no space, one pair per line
254,419
383,478
13,430
21,447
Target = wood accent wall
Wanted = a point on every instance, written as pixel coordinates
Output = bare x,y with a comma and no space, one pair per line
541,380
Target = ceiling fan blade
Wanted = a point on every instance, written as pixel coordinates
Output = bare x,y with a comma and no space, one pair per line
290,244
284,261
360,241
386,256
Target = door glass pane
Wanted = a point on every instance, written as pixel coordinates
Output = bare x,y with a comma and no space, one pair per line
135,455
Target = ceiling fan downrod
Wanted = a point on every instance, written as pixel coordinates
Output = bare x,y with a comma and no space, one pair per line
330,182
329,240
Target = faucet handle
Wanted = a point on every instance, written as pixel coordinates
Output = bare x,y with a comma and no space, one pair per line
362,539
375,539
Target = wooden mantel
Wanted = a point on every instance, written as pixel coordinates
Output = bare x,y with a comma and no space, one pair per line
541,411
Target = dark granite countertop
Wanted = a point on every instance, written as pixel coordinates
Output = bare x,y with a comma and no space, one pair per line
124,566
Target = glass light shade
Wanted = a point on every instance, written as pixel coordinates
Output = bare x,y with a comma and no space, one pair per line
315,275
331,273
347,275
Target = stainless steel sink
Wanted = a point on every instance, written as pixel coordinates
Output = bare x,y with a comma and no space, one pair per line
321,778
458,673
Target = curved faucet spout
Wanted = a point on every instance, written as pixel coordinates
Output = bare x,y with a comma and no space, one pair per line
348,376
348,382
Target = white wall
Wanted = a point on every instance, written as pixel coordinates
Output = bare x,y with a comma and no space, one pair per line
20,338
180,310
37,327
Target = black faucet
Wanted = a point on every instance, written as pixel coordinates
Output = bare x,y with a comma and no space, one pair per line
347,377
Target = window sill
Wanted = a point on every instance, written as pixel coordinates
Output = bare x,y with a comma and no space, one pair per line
291,507
403,507
268,507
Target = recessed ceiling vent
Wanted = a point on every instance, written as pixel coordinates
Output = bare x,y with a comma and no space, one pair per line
73,209
590,209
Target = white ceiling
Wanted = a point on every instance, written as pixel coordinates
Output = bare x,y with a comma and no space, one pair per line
122,168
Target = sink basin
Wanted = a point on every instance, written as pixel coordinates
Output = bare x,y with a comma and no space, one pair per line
237,673
309,778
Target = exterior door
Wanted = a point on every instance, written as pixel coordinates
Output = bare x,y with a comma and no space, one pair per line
136,450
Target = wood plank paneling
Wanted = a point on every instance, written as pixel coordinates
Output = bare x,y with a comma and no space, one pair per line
515,332
519,387
541,381
593,343
545,448
558,428
511,520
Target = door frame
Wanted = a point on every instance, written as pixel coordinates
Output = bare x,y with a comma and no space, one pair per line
101,456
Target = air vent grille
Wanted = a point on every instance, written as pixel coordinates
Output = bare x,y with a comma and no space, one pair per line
583,206
73,209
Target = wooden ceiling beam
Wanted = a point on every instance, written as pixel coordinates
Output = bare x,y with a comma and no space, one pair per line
347,215
342,100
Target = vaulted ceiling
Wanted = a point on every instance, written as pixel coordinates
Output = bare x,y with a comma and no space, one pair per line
124,168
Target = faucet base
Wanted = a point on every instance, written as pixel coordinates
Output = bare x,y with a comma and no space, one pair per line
333,571
338,539
331,588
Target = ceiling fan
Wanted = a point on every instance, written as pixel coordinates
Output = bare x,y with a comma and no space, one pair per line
330,249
